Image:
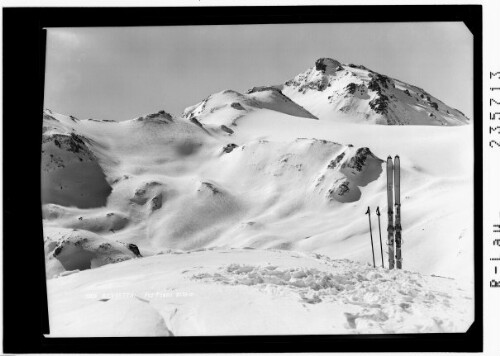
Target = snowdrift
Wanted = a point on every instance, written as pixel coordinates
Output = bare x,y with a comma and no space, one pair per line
253,292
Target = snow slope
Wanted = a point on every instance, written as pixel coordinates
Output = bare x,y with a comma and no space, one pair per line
364,96
252,292
228,107
177,185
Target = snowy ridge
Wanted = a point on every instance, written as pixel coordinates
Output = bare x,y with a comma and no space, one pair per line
228,107
353,93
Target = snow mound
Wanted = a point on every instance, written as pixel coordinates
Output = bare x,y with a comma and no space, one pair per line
256,292
100,222
334,91
81,250
112,317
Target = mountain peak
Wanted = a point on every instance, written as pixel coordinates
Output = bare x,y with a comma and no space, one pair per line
354,93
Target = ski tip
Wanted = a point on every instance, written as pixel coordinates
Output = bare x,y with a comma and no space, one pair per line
389,157
396,157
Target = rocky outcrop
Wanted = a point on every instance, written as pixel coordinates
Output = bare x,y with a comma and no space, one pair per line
134,249
160,117
344,191
358,160
334,163
156,202
207,186
327,64
226,129
196,122
81,250
229,147
380,104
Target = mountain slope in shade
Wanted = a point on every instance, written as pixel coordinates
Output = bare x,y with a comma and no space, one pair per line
335,91
70,172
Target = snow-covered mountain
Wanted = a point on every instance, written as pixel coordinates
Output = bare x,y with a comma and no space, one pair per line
241,177
225,109
358,94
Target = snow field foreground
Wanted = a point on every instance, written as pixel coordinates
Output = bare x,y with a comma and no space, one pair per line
253,292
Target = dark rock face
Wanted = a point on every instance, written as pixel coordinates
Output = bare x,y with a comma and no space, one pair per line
342,189
336,161
320,65
210,187
143,193
196,122
357,66
229,147
358,160
380,104
264,88
433,105
407,92
323,63
156,202
226,129
75,143
379,81
134,249
49,117
160,117
351,88
237,106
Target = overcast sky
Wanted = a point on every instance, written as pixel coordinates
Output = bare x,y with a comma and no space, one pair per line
122,73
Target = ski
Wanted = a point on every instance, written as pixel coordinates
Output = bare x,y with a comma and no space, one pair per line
397,204
371,236
390,212
380,236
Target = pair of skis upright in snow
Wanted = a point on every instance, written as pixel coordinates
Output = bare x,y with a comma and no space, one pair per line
394,201
393,230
